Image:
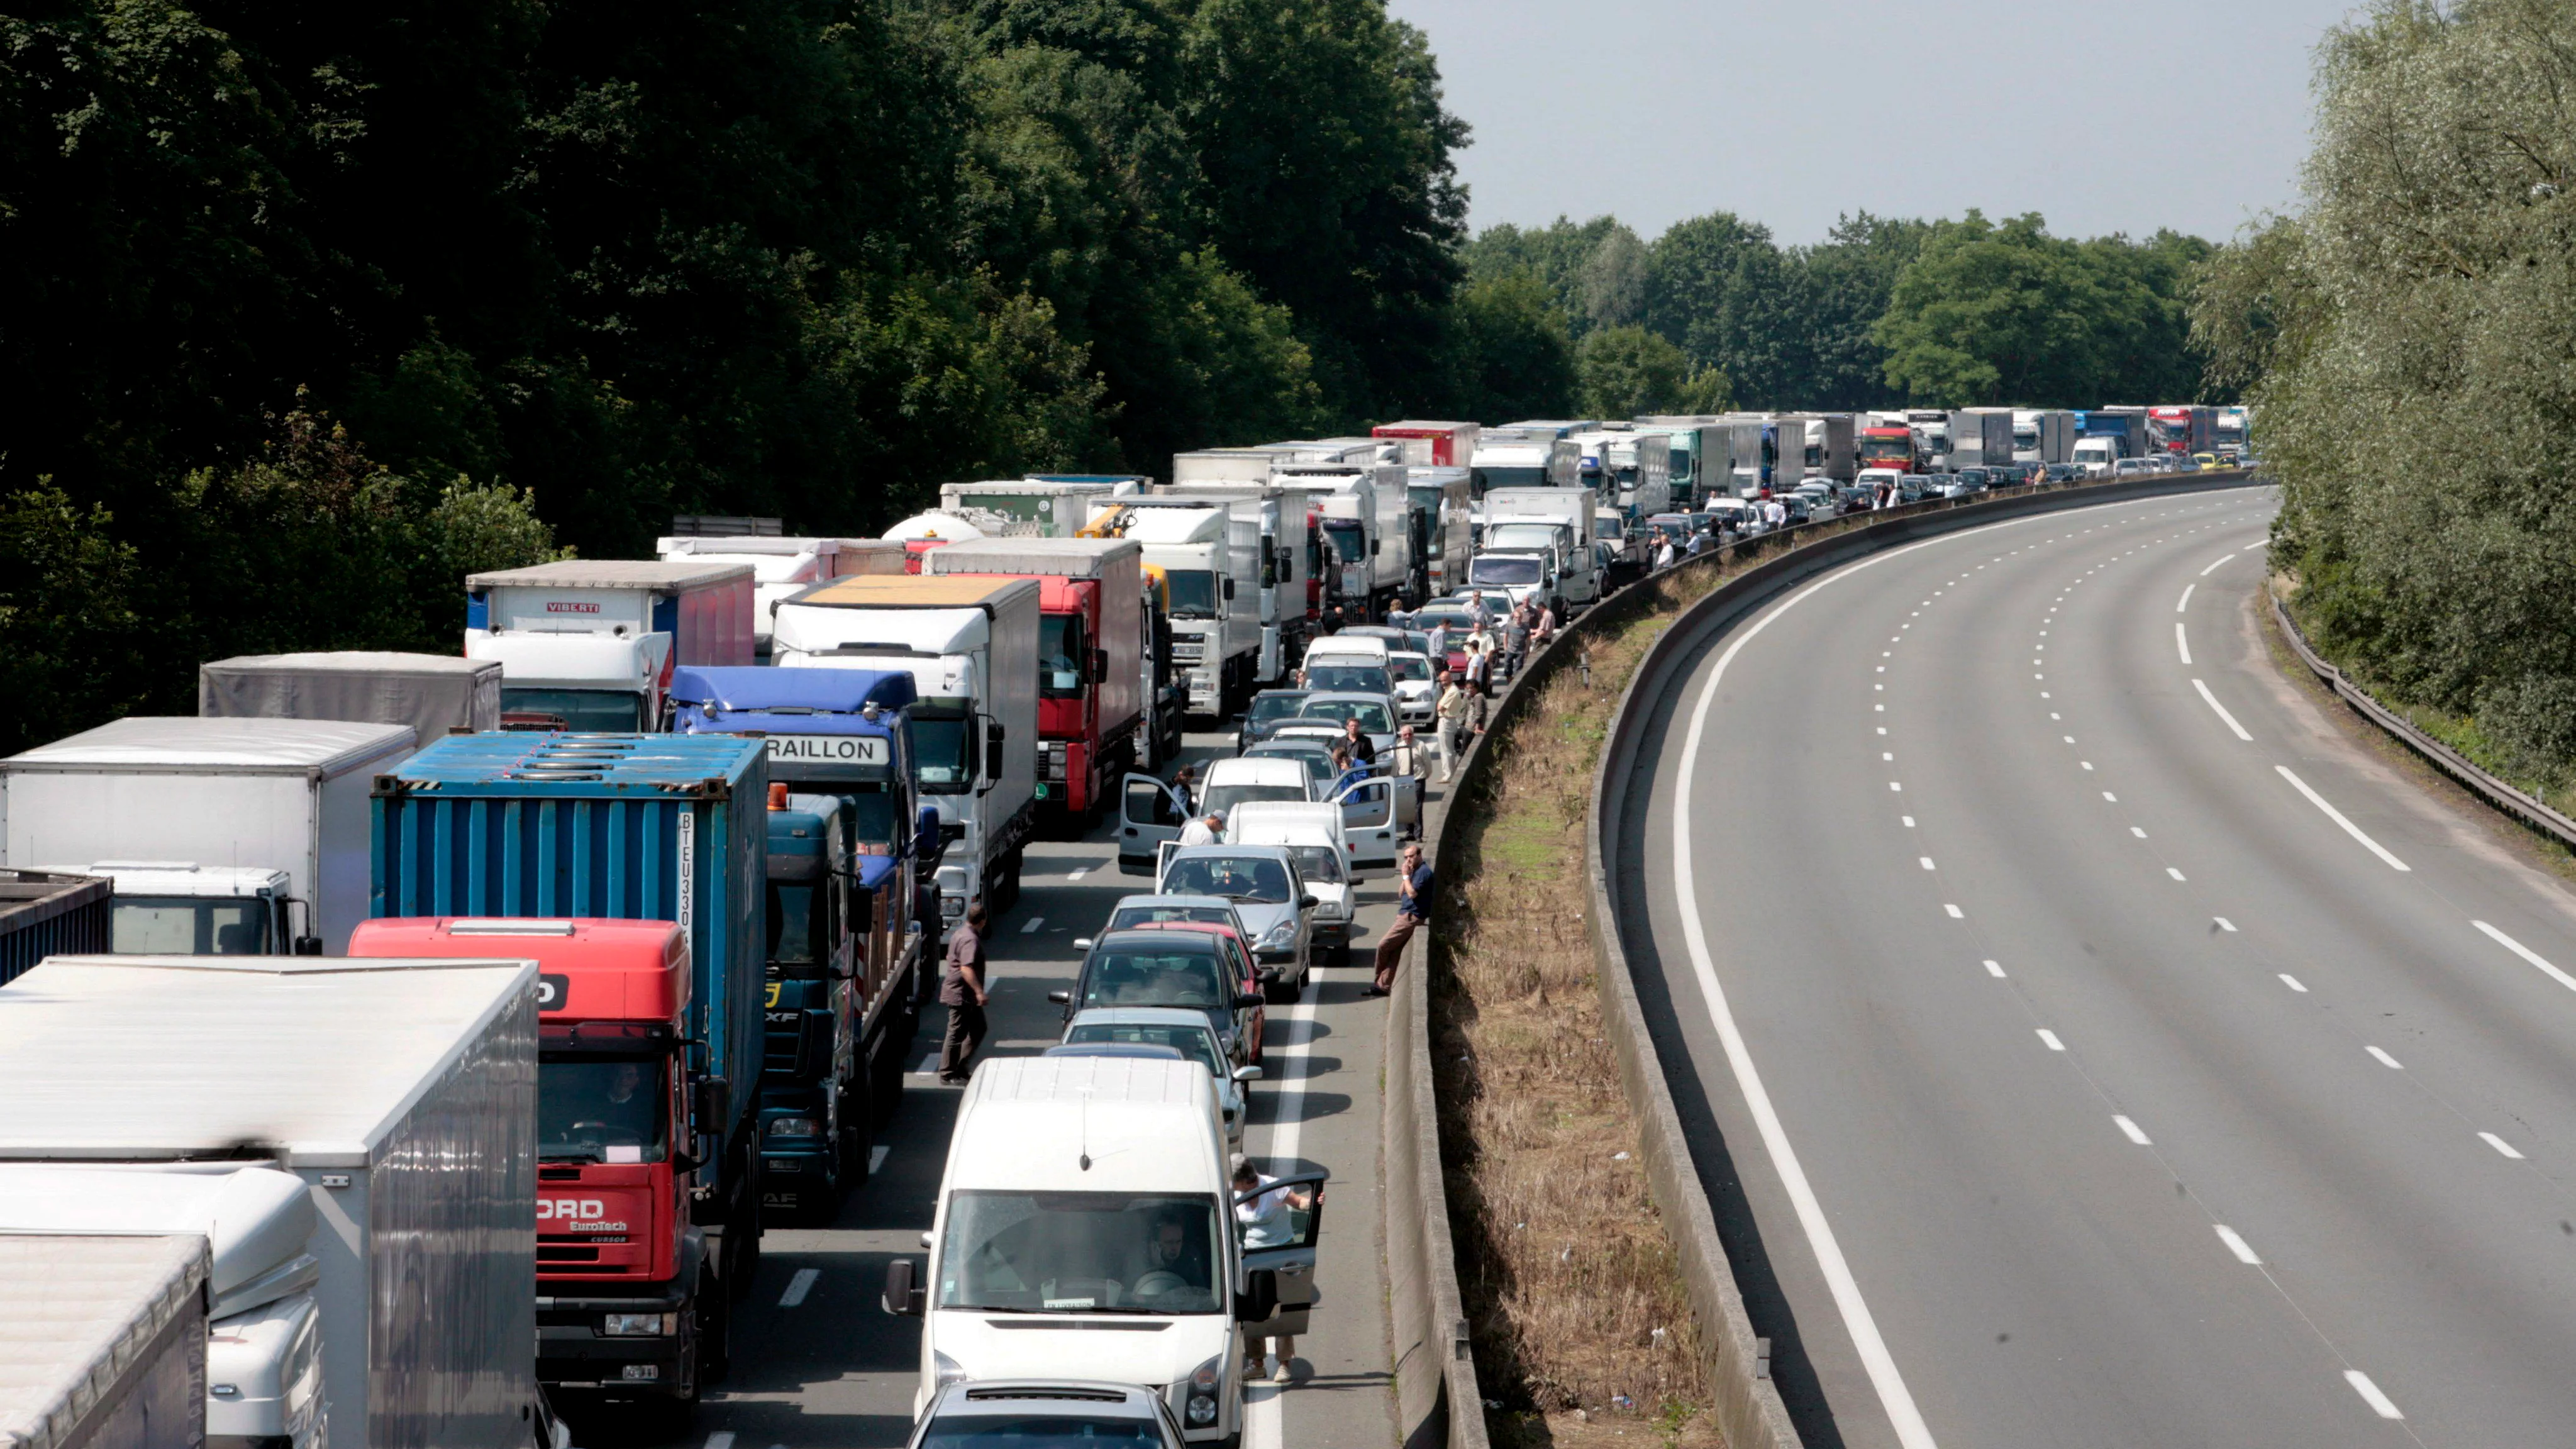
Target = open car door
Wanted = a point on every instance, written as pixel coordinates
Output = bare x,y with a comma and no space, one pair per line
1368,821
1279,1239
1146,818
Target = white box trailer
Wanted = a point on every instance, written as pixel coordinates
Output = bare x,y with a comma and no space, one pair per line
1032,507
782,566
2043,435
102,1341
587,644
436,694
225,836
402,1094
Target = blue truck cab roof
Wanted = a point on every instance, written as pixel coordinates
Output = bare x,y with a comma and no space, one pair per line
821,701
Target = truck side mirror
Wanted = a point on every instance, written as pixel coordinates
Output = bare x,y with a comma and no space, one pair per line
904,1299
713,1096
308,945
1229,586
1099,665
993,749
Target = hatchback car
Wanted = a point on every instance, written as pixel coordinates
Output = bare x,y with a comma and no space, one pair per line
1266,710
1263,885
1161,966
1163,1029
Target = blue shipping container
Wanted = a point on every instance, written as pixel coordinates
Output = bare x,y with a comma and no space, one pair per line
628,827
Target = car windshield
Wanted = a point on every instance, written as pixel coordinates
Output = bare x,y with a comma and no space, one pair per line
1192,1041
1060,656
1236,877
585,711
1370,713
1318,863
1036,1431
1268,707
600,1109
1505,569
1186,974
1128,917
1193,593
1350,676
942,757
1080,1252
1222,798
1409,668
1318,763
181,926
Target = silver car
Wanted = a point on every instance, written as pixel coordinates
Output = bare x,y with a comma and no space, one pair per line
1022,1411
1186,1033
1262,883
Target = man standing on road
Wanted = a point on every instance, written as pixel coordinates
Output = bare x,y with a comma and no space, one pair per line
1203,831
1477,665
1440,645
1182,791
1664,552
1451,713
1412,908
961,990
1264,1223
1356,740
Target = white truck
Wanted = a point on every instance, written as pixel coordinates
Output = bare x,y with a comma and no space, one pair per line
1817,445
1053,506
233,837
102,1337
1367,528
1509,458
436,694
970,643
589,644
1281,529
2043,435
1535,520
784,566
1209,551
1933,426
1980,438
400,1099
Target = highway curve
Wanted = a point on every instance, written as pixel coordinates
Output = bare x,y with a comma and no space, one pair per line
2082,1042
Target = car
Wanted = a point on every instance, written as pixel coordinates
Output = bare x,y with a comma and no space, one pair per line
1228,783
1314,752
2207,461
2132,467
2060,474
1375,712
1415,695
1347,675
1237,949
2183,464
998,1412
1159,1030
1268,894
1135,912
1823,499
1166,966
1264,710
1795,506
1326,862
1966,483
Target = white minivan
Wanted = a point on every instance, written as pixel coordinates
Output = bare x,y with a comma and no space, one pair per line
1316,836
1086,1229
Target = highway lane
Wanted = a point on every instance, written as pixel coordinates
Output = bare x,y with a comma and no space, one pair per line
817,1362
2119,1085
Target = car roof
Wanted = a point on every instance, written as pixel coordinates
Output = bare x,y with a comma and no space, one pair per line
1342,694
1203,852
1347,644
1182,1016
1255,770
1016,1396
1150,898
1143,939
1117,1049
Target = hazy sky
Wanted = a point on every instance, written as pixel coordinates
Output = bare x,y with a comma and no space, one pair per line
2103,116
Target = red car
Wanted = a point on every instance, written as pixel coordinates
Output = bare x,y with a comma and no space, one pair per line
1240,953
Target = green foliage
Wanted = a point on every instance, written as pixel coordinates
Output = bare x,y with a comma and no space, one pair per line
69,633
1511,350
1627,371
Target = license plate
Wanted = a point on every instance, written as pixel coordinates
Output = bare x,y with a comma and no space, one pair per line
641,1372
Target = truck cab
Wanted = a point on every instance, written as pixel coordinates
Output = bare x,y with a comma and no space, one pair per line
626,1298
180,908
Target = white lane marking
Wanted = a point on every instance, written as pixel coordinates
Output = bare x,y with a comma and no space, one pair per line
2107,795
1032,927
720,1439
1885,757
2087,764
1994,968
1927,861
1955,913
1079,874
1264,1416
2380,1403
2070,739
2186,597
2132,1131
799,1286
2169,870
1908,819
877,1157
2222,711
1894,786
2527,954
2182,645
2050,1037
2292,982
2384,1058
2500,1145
2243,1250
1884,1376
2224,924
2213,568
2138,832
2337,817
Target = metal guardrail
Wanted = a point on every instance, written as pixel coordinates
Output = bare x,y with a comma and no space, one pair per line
2525,808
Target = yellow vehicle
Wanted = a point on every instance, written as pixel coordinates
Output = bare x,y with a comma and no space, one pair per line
2207,460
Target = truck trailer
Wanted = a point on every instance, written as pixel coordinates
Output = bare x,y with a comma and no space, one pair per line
237,837
782,566
589,644
1034,507
436,694
1452,445
2043,435
401,1095
1980,438
1209,554
102,1335
49,913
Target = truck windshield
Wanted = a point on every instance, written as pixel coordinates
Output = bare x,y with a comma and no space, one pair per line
1505,570
942,757
1886,450
1193,593
587,711
1489,477
184,926
1349,541
601,1109
1080,1252
880,828
1061,647
795,926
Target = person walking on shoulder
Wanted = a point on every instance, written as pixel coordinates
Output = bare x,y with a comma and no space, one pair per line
1451,714
961,990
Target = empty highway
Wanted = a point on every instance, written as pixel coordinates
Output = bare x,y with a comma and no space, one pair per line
2084,1042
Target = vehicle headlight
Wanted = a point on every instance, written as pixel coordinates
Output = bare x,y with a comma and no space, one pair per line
1203,1384
640,1325
795,1127
1281,934
945,1370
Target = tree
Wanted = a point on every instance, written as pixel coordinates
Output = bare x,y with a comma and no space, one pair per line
1624,372
1510,349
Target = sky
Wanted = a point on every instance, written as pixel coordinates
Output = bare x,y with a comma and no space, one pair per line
2102,116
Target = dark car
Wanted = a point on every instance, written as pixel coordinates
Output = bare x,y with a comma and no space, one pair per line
1150,966
1267,711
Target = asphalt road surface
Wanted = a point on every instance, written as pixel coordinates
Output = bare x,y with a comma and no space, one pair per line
817,1362
2085,1043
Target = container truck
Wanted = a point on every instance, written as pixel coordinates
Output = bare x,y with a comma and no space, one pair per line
1036,507
1751,454
1529,520
1980,438
971,647
2227,431
1209,554
589,644
2124,428
2043,435
614,827
1894,447
848,930
1453,445
1443,525
401,1095
1092,638
436,694
781,567
2180,429
234,837
49,913
105,1338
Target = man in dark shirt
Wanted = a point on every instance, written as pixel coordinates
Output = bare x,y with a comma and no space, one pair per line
1412,908
961,990
1356,740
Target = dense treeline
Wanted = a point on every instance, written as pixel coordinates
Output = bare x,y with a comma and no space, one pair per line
2406,336
1883,313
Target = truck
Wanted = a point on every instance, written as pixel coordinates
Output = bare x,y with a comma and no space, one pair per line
1512,458
971,647
1533,520
635,827
1365,530
436,694
1893,446
1092,641
1453,445
2124,428
2043,435
1280,525
589,644
2184,429
50,913
399,1098
781,566
2228,430
1827,444
1040,506
1443,520
1752,452
229,837
1980,437
107,1334
1208,555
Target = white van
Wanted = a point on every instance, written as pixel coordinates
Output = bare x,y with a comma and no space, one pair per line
1147,819
1362,649
1315,835
1089,1193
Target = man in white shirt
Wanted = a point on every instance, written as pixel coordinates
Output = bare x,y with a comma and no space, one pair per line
1264,1223
1203,831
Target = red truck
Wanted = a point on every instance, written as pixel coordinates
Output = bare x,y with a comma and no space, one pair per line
1453,445
1891,448
1093,638
627,1300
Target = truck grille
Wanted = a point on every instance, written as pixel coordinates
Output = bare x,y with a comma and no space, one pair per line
1189,651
